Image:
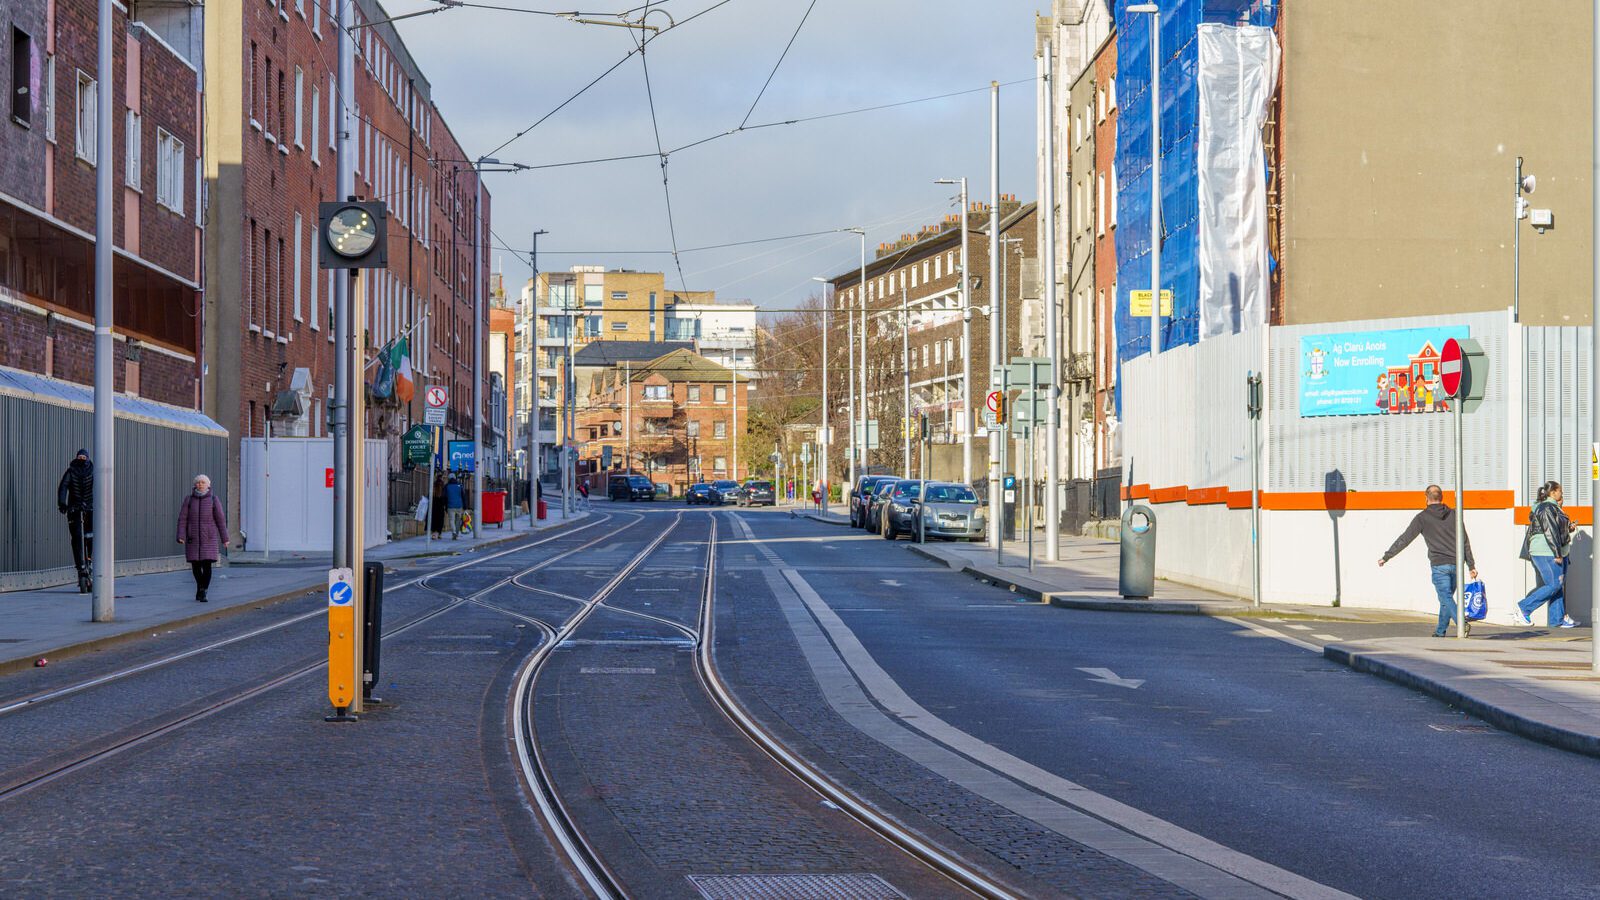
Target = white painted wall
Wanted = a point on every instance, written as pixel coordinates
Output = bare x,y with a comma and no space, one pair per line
287,505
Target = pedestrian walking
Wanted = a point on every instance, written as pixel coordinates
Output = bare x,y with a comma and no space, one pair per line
203,532
1547,544
75,500
436,510
1437,525
455,501
583,493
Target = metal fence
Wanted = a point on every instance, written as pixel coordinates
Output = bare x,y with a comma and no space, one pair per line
38,438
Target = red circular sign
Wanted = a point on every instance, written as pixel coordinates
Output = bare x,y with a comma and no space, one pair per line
993,401
1450,367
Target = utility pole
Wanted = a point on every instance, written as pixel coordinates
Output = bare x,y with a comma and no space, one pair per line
733,404
627,415
1594,334
966,344
477,348
1154,12
103,607
822,463
905,377
1052,450
850,398
535,457
344,188
865,438
994,283
569,392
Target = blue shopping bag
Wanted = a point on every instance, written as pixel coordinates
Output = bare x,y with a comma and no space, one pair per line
1476,599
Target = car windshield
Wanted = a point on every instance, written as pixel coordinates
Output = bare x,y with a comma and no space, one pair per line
884,488
698,487
951,493
640,481
906,489
761,485
726,484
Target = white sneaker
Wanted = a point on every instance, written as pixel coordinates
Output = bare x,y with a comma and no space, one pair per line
1518,617
1566,622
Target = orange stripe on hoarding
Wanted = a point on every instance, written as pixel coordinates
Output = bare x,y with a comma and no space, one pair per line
1377,500
1210,496
1238,499
1580,515
1136,492
1170,494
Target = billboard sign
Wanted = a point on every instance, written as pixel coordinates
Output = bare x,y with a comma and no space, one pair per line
1374,373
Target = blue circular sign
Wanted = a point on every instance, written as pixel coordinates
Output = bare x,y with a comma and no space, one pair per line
341,594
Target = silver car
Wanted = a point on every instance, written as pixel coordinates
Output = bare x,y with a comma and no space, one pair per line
950,510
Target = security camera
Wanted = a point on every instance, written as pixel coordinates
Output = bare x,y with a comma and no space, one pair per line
1529,182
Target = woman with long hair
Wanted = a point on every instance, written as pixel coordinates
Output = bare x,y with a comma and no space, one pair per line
1547,544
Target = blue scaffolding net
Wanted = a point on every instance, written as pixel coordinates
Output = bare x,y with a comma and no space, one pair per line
1180,199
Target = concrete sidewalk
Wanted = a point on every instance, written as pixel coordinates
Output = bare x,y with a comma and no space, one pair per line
53,623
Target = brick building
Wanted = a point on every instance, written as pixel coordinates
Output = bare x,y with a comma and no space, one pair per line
674,419
272,107
47,197
926,267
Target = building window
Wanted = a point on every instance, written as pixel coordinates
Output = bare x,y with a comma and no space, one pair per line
333,115
21,77
719,393
594,324
316,123
283,113
719,464
950,262
50,99
591,296
250,85
938,353
719,430
299,106
132,130
1111,99
311,273
1113,195
925,278
1100,95
693,428
299,259
251,312
619,295
694,393
656,392
938,267
913,276
169,171
1100,204
300,7
88,94
619,326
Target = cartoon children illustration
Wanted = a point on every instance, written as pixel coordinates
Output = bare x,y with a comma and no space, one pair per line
1383,392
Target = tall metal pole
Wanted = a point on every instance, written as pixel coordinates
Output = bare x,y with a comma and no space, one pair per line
103,607
905,377
1516,250
850,399
966,349
994,284
1461,516
822,463
569,395
1155,182
627,414
535,457
1052,449
733,404
477,349
343,375
865,438
1594,334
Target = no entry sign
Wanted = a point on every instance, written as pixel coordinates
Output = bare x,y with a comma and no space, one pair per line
1450,368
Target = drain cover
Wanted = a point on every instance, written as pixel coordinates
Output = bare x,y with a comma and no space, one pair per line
794,887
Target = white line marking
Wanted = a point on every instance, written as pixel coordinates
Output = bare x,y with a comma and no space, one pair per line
1110,677
1327,637
1299,627
1273,633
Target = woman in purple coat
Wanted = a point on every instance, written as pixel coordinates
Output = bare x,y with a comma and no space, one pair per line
203,532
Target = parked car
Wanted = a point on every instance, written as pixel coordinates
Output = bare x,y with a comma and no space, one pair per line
947,510
724,491
630,488
758,493
697,493
875,503
859,495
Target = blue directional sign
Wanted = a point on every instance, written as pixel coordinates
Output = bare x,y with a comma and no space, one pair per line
461,458
341,593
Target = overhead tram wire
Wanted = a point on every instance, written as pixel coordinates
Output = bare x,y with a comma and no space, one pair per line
761,93
655,125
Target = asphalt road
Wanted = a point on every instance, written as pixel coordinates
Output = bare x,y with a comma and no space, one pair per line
1264,747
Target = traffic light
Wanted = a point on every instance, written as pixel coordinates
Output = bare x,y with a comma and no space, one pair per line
1000,410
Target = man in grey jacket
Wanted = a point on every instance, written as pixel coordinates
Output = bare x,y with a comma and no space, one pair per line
1437,525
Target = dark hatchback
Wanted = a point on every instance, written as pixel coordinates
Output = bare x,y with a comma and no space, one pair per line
758,493
724,491
697,493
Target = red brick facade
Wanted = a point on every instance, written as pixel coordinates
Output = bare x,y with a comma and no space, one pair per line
1105,263
47,201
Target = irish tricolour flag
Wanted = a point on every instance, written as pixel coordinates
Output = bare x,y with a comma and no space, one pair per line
405,384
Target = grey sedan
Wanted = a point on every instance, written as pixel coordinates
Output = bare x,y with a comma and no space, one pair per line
950,510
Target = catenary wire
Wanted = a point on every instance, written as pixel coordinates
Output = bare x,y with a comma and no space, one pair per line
774,72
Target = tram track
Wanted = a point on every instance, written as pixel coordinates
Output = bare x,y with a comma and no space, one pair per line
592,869
95,751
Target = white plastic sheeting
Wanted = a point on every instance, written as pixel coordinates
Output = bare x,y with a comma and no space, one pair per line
1237,76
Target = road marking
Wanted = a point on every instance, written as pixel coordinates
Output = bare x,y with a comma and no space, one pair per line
616,670
1273,633
1109,677
463,652
1327,637
1299,627
890,582
460,637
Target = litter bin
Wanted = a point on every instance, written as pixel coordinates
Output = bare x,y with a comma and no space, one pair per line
371,626
494,508
543,511
1137,572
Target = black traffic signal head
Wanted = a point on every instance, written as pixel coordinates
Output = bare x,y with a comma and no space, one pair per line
353,234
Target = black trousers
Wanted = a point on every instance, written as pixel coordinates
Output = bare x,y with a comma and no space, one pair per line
80,525
202,573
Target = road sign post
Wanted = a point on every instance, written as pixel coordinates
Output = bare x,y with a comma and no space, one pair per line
1253,399
1462,385
344,679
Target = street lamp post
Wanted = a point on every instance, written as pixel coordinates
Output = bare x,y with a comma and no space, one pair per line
966,343
1594,331
535,457
1154,12
995,361
865,441
822,464
1052,319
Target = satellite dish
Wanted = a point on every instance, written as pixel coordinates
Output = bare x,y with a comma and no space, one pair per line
1528,183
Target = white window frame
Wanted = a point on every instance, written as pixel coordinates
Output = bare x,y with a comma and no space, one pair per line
88,95
300,7
50,98
299,103
170,174
316,124
132,151
719,431
299,263
1100,204
333,115
1113,190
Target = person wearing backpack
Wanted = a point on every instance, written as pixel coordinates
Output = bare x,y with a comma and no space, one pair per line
75,500
1547,544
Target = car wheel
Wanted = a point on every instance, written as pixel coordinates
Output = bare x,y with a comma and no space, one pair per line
888,528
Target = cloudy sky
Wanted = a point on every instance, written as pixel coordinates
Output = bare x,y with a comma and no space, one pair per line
495,73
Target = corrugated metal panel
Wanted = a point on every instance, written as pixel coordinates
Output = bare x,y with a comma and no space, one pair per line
1385,453
1199,433
156,468
1557,401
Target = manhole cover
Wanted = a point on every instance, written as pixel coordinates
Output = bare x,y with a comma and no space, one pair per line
794,887
1465,729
